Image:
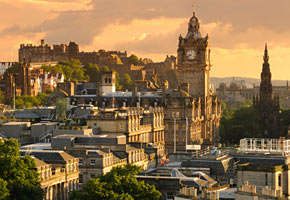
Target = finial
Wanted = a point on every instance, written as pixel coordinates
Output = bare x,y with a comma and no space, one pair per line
193,8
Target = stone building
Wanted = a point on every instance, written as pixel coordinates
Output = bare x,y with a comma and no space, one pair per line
59,172
4,66
119,136
22,79
182,118
96,154
267,104
144,128
264,163
17,82
108,84
46,53
196,108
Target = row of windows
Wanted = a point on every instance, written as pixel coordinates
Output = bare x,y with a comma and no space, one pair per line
107,161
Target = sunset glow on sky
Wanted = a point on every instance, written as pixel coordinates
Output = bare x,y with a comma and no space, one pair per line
238,29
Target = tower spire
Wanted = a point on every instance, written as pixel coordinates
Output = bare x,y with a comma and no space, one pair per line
266,55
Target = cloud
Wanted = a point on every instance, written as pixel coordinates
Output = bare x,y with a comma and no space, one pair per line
151,27
83,25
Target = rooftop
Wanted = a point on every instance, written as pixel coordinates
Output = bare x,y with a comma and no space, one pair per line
16,123
265,146
37,146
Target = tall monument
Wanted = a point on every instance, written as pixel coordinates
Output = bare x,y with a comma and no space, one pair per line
268,104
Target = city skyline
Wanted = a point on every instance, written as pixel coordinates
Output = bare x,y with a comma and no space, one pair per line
238,30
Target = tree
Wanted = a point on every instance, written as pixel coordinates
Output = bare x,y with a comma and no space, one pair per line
133,59
120,184
42,97
4,192
72,69
238,124
285,121
126,81
18,172
104,68
1,97
19,103
93,72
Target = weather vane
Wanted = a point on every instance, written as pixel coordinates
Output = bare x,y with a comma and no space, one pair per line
193,6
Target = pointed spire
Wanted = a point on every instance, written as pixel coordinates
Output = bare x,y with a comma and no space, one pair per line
266,56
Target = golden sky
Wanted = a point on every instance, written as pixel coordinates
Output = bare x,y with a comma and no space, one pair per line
238,29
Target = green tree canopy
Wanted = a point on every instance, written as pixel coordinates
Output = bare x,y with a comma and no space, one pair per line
238,124
126,81
17,173
285,122
4,192
133,59
73,70
30,101
119,184
93,72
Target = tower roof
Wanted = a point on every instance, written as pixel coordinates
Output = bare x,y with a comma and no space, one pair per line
193,27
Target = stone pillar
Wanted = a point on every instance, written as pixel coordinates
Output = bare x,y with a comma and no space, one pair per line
54,190
63,191
46,192
50,193
58,194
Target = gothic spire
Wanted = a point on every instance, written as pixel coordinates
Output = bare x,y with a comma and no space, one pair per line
266,56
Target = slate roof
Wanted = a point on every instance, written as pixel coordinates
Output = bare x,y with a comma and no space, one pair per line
273,161
49,156
39,163
26,115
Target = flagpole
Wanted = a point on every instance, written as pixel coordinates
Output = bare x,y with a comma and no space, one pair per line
186,133
174,135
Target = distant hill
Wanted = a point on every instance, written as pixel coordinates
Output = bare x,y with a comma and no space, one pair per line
249,81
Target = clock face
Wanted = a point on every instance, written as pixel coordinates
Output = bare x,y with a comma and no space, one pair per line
190,54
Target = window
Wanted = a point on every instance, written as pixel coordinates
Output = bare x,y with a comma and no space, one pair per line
106,80
93,176
169,196
266,177
93,162
80,178
81,162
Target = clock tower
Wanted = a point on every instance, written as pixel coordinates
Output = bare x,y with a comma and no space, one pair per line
193,65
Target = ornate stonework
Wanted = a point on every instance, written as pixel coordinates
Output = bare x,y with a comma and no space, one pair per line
193,60
192,109
267,104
